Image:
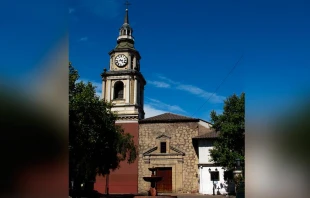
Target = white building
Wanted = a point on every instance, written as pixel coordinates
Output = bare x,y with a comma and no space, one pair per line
204,143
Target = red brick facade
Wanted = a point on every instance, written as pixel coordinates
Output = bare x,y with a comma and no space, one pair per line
124,179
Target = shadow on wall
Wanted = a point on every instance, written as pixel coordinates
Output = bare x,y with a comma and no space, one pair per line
195,145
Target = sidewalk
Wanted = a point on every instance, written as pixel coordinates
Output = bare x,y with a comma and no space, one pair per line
178,195
197,195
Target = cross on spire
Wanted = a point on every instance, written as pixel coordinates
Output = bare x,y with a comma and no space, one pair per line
127,4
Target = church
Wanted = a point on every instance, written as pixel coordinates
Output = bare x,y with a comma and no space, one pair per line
168,142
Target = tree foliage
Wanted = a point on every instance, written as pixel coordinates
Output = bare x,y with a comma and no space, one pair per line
230,126
96,144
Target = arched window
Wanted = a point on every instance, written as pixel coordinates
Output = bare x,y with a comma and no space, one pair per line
119,90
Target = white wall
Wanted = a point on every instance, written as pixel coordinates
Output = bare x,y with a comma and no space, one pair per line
206,185
205,124
204,147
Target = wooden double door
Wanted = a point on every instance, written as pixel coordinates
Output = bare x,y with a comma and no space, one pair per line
165,185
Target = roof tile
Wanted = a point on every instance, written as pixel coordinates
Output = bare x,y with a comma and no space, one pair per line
208,135
168,117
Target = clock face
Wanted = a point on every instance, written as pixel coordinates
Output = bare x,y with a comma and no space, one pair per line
121,60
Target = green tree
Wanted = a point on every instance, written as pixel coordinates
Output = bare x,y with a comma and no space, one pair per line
96,144
230,126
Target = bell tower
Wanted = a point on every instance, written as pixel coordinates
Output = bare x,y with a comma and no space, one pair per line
123,84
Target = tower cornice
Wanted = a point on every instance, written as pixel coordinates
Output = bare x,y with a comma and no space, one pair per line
125,50
122,73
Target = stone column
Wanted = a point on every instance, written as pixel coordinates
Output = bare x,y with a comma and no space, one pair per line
112,91
138,94
134,62
128,90
111,62
129,61
135,91
109,91
103,90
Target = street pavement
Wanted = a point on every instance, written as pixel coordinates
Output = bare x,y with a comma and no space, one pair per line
188,195
185,195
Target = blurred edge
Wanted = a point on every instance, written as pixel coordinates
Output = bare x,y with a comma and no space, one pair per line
34,142
34,128
277,150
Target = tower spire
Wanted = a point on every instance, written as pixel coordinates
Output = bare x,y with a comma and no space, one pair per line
126,20
125,32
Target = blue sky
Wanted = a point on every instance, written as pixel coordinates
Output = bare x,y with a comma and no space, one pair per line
187,47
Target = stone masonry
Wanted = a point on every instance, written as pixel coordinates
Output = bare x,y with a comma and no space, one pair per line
178,136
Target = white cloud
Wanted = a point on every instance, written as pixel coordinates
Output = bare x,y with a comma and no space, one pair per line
84,39
168,80
201,93
159,84
71,10
163,106
151,111
165,83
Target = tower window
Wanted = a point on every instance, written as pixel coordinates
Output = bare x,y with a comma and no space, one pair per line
119,90
163,147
